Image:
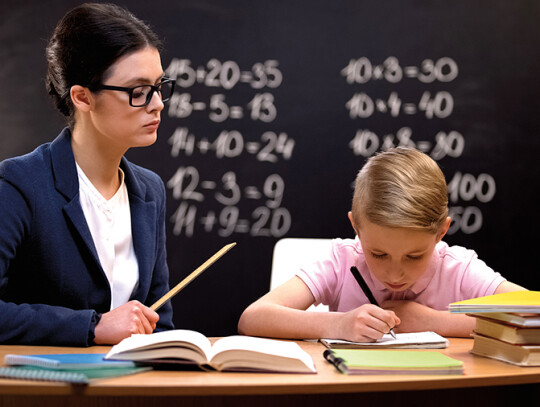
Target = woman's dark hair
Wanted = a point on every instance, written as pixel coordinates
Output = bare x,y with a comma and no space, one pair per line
85,43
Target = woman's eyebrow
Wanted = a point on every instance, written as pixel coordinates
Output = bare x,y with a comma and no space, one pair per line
145,80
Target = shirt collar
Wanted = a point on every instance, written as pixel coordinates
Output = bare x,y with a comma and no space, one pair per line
90,188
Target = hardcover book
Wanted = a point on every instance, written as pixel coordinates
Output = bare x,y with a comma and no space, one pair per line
522,355
507,333
232,353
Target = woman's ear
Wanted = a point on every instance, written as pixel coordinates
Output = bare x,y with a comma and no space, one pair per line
81,97
444,229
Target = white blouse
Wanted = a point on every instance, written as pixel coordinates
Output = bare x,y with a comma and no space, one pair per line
110,224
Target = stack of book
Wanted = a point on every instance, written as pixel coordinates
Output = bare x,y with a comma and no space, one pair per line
507,326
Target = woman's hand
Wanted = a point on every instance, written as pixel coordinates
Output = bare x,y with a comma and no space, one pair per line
366,323
124,321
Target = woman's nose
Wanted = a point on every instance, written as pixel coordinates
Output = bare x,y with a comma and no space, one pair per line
155,102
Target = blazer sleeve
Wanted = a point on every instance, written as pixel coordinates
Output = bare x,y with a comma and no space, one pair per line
30,324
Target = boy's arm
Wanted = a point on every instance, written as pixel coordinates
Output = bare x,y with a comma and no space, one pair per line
507,286
417,317
281,314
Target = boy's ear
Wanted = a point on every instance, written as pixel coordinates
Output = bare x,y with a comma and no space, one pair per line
444,229
81,97
351,219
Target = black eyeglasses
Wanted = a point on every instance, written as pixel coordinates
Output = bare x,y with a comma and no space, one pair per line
140,96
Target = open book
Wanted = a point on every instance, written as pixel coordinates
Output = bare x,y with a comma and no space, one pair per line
232,353
416,340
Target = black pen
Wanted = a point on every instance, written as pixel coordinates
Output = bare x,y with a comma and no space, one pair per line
367,292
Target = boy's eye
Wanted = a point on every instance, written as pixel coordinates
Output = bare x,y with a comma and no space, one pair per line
410,257
378,256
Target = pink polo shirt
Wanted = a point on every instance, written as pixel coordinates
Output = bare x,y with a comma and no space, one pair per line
455,274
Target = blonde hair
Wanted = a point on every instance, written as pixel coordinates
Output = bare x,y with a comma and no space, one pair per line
401,187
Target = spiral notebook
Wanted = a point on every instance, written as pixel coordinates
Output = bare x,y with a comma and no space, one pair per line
78,368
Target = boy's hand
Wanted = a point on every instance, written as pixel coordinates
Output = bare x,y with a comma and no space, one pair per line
366,323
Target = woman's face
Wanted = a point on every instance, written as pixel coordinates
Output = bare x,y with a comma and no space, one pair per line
117,123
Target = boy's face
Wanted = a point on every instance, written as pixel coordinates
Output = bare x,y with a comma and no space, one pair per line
397,257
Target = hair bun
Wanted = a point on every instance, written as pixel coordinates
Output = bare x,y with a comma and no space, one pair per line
85,43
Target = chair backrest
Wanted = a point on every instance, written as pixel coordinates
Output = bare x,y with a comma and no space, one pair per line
290,254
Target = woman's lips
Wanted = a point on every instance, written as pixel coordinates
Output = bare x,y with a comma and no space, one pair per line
154,124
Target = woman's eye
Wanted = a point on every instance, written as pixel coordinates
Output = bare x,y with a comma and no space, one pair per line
138,94
141,91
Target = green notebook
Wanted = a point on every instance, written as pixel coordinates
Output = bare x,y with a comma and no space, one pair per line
360,361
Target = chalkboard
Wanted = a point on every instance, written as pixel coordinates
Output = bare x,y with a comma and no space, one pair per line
279,104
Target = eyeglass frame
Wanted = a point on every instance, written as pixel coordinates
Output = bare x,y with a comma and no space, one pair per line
129,91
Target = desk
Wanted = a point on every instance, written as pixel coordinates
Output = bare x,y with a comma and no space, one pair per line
486,383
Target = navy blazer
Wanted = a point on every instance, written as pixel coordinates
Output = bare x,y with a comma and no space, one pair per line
51,280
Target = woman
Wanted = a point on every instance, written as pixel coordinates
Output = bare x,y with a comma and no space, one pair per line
82,231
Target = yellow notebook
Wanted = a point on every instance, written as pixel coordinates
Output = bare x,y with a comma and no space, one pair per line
516,301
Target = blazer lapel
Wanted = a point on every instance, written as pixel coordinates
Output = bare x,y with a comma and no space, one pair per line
67,183
143,214
143,229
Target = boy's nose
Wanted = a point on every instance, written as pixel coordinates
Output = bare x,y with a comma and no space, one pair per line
395,273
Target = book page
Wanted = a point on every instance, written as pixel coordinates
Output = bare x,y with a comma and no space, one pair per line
251,349
161,341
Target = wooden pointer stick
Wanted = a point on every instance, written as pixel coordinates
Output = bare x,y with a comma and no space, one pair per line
192,276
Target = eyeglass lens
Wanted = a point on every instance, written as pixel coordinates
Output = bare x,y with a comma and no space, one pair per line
141,95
